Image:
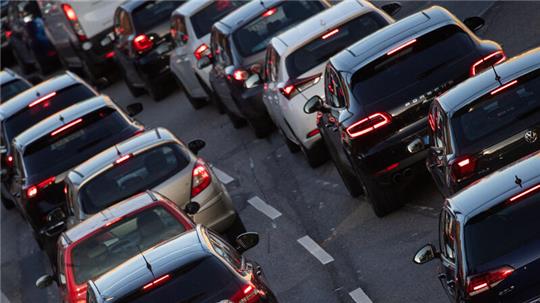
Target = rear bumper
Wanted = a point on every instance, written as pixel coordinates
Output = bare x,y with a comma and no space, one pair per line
154,66
182,68
217,210
250,103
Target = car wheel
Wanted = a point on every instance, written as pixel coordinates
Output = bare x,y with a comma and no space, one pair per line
157,91
293,147
214,98
237,228
382,198
88,74
261,128
196,103
25,68
316,155
351,182
237,122
7,203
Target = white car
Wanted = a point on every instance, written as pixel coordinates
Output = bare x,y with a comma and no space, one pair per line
190,28
295,62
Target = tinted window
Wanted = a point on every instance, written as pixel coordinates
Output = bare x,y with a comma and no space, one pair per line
416,69
321,49
254,36
448,236
491,118
152,14
12,88
136,174
130,236
502,231
202,21
27,117
122,25
224,250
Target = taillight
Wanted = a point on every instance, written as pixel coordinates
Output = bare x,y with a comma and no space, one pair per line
488,61
525,193
368,124
313,133
122,159
33,190
9,161
247,294
74,20
202,51
42,99
156,282
63,128
200,178
463,167
404,45
505,86
480,283
109,55
240,75
269,12
292,88
330,34
8,34
142,43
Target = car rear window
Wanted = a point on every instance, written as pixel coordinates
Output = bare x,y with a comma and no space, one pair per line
152,14
502,231
29,116
134,175
203,20
12,88
254,36
128,237
494,117
322,48
421,67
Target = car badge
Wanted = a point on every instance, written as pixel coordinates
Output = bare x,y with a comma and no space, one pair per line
531,136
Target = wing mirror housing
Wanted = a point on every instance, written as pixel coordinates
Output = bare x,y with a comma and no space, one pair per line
204,62
391,8
247,241
192,208
314,104
44,281
474,23
416,145
253,81
426,254
196,145
134,109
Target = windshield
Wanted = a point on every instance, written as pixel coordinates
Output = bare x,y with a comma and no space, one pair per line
486,121
254,36
204,19
128,237
136,174
322,48
416,69
502,230
152,14
12,88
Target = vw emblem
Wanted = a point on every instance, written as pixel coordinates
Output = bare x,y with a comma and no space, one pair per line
531,136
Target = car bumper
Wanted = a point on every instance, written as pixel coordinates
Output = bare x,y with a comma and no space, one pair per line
217,210
250,103
154,67
182,68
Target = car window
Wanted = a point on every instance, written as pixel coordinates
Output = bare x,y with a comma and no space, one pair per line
122,240
224,250
333,89
437,122
330,43
203,20
139,173
271,65
220,48
253,37
178,27
12,88
122,25
448,236
153,13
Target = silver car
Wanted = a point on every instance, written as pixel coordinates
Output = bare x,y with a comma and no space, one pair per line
190,28
155,160
295,62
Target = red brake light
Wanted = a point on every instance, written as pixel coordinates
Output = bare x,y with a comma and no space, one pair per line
8,34
109,55
489,60
313,133
142,43
269,12
480,283
201,51
157,282
42,99
9,161
70,13
404,45
200,178
525,193
63,128
462,167
330,34
368,124
507,85
122,159
247,294
293,87
240,75
74,20
33,190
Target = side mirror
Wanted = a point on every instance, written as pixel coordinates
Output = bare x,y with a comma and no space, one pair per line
391,8
192,208
474,23
253,81
56,215
415,146
203,62
196,145
44,281
102,82
134,109
314,104
425,254
246,241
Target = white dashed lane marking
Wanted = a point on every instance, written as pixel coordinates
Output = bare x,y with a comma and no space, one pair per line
316,250
222,176
263,207
359,296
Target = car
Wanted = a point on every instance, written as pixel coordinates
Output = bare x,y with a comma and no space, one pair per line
489,238
30,45
197,267
238,44
295,61
111,237
11,84
190,29
82,33
143,45
485,123
377,97
31,106
44,153
156,160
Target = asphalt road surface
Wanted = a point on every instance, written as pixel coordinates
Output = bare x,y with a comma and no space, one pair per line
317,243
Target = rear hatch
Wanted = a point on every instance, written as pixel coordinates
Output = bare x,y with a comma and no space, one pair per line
95,16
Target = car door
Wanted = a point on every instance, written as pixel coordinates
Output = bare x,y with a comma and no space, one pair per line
448,244
124,32
439,148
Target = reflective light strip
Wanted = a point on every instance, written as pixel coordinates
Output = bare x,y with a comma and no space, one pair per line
330,33
157,281
528,191
503,87
61,129
270,12
122,159
397,49
48,96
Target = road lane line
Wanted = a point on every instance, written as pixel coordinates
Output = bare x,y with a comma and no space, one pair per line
263,207
222,176
359,296
316,250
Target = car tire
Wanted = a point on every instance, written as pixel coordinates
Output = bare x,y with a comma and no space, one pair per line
293,147
315,156
7,203
383,199
25,68
157,91
135,91
214,98
237,228
196,103
237,122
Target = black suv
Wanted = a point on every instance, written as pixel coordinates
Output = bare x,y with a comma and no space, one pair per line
490,238
197,267
378,92
238,44
485,123
143,44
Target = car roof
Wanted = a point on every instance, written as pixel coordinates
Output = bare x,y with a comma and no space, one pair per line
106,158
475,87
17,103
7,75
500,185
163,258
244,14
130,5
191,7
46,126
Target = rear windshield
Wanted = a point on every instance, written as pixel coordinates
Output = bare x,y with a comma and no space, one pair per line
485,122
130,236
152,14
203,20
27,117
417,68
134,175
502,230
329,44
205,280
254,36
54,154
12,88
